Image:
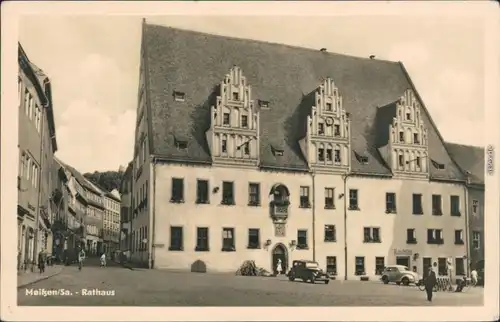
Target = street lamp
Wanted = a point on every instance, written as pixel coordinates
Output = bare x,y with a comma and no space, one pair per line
344,178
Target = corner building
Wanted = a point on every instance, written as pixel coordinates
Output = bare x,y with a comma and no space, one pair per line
247,150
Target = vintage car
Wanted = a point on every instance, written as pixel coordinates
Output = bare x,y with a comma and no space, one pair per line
399,274
307,271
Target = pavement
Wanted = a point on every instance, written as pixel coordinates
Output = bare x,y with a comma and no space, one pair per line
25,278
118,286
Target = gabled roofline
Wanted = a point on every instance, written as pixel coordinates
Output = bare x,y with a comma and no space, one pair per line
410,81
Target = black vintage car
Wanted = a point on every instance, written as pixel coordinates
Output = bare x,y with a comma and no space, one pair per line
307,271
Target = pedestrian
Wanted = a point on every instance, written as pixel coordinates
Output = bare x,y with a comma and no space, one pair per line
41,261
279,267
81,257
430,282
473,277
103,260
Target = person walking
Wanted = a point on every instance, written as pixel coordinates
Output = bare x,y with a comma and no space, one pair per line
42,259
103,260
81,257
430,282
279,267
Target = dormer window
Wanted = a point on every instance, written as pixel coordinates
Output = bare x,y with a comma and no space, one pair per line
236,96
263,104
181,143
225,120
437,165
277,151
321,128
329,107
244,121
415,138
401,137
361,158
336,130
179,96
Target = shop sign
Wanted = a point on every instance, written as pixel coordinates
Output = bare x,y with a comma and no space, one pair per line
403,252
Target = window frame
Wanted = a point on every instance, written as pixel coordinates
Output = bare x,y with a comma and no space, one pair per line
330,233
173,245
359,269
254,196
302,235
202,241
417,207
228,197
200,183
437,205
329,198
379,268
255,244
390,205
353,199
228,243
331,265
305,194
177,197
455,206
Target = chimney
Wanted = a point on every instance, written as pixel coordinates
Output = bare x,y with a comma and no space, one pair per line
372,56
323,50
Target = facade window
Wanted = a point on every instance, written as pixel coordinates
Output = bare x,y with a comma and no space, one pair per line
442,266
415,138
459,266
329,198
459,238
224,145
408,116
253,194
176,238
435,236
226,119
359,265
379,265
476,239
331,265
436,205
246,148
417,204
330,233
401,137
411,237
455,205
19,90
27,98
177,190
353,199
390,203
302,239
244,121
329,155
202,191
304,197
371,235
202,239
321,154
475,207
321,128
337,156
228,239
22,166
227,193
328,106
253,238
236,96
34,178
401,161
417,162
336,130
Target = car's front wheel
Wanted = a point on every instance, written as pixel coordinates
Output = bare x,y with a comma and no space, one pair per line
405,281
385,279
291,278
327,281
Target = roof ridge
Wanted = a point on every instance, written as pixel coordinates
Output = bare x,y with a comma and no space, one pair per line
269,43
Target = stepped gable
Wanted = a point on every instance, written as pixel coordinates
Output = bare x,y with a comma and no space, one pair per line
195,63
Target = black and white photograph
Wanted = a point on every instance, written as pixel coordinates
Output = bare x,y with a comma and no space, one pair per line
231,155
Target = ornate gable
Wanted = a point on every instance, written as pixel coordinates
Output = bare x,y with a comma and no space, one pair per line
408,139
234,128
327,143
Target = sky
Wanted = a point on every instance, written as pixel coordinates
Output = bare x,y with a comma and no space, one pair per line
93,63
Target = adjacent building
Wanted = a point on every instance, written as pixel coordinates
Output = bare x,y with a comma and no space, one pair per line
246,150
37,145
111,221
471,160
126,210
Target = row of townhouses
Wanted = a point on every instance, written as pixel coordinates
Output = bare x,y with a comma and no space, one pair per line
58,208
247,150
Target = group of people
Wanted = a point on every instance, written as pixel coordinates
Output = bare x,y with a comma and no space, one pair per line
43,259
431,280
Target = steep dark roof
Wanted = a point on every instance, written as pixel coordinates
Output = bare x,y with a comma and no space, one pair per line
469,158
195,63
80,178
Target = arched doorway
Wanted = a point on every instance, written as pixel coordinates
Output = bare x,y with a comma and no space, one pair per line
279,252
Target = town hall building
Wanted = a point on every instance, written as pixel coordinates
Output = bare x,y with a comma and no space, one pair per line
247,150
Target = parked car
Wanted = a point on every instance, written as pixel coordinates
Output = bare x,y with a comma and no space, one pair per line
399,274
307,271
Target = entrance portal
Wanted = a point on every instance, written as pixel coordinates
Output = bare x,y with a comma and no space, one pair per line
279,252
403,260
